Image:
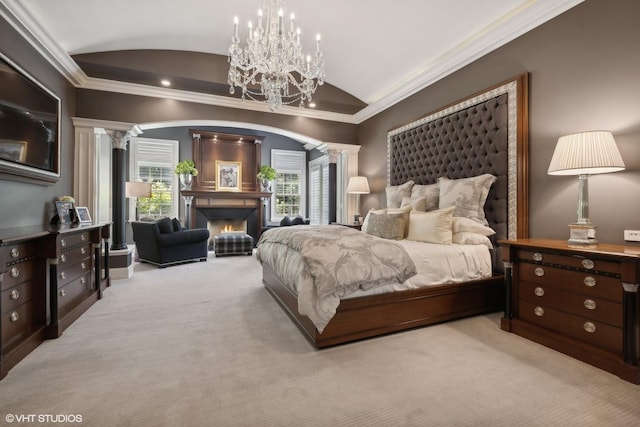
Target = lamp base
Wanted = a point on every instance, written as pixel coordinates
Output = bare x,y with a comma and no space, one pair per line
582,234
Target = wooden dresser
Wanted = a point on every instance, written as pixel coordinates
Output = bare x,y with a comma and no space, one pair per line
581,300
48,277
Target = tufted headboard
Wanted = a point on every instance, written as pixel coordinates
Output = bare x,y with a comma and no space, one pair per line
485,133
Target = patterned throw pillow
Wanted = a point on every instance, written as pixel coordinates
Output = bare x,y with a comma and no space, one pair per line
431,227
387,226
467,195
462,225
395,193
430,192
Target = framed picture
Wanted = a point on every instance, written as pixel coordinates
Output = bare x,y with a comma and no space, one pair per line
228,176
83,214
64,212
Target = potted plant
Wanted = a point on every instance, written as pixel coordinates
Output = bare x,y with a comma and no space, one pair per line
186,170
265,175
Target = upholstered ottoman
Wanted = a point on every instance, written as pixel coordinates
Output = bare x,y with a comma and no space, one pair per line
233,243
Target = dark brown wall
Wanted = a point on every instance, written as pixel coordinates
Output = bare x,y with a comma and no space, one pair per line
23,204
584,75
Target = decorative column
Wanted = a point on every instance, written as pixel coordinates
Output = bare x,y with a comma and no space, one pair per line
333,184
119,141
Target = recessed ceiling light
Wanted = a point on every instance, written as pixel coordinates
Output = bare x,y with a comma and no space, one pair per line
312,105
165,82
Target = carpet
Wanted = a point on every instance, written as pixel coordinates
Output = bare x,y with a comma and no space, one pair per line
204,344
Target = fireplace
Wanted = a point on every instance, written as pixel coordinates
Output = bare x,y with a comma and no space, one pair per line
214,209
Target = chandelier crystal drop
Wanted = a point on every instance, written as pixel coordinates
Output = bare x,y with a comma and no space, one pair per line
272,67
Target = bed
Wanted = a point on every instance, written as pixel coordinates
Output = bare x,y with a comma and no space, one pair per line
483,134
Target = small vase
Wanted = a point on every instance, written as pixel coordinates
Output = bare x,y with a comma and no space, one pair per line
186,179
265,185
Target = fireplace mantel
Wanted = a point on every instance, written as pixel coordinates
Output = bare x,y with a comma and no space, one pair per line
224,195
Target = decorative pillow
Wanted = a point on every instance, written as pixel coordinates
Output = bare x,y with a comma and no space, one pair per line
365,222
165,225
176,224
431,227
468,238
395,193
387,226
462,224
297,220
285,221
467,195
430,192
418,204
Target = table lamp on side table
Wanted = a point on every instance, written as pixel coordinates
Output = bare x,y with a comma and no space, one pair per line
584,154
358,185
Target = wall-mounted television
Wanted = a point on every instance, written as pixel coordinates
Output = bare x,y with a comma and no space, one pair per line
29,127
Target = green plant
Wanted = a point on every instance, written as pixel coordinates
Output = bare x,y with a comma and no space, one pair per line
267,172
186,167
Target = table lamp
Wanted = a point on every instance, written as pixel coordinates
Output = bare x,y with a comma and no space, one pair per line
358,185
135,190
584,154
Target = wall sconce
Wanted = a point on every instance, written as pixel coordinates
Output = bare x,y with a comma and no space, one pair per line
358,185
135,190
585,154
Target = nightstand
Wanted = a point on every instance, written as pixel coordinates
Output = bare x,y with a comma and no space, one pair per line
352,225
581,300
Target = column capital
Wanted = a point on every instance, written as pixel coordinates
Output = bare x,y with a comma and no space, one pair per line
333,155
119,138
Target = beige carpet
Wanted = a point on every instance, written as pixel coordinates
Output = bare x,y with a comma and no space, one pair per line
205,345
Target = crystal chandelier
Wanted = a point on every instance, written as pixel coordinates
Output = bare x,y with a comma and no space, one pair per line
272,68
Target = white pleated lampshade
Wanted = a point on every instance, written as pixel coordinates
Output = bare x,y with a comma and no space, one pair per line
358,185
586,153
137,189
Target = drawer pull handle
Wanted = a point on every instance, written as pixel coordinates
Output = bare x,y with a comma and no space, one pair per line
588,264
14,316
63,243
538,291
63,275
15,294
63,258
590,304
538,311
539,271
83,237
589,327
15,272
537,256
83,265
83,251
83,280
63,292
15,252
590,281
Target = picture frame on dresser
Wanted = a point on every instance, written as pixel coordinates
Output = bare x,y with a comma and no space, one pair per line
82,213
64,211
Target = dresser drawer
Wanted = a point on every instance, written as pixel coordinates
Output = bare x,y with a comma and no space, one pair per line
589,331
591,308
73,293
573,261
68,273
16,324
11,253
588,284
71,240
14,297
17,273
75,255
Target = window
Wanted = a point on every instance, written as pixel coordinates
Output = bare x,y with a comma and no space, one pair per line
319,190
153,160
289,197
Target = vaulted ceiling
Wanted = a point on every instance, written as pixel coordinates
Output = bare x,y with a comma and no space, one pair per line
377,52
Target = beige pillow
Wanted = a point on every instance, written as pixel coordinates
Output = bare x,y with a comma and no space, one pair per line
418,204
462,224
467,195
431,227
395,193
430,192
387,226
365,222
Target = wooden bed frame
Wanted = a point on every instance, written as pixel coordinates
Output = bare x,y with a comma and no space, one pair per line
370,316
